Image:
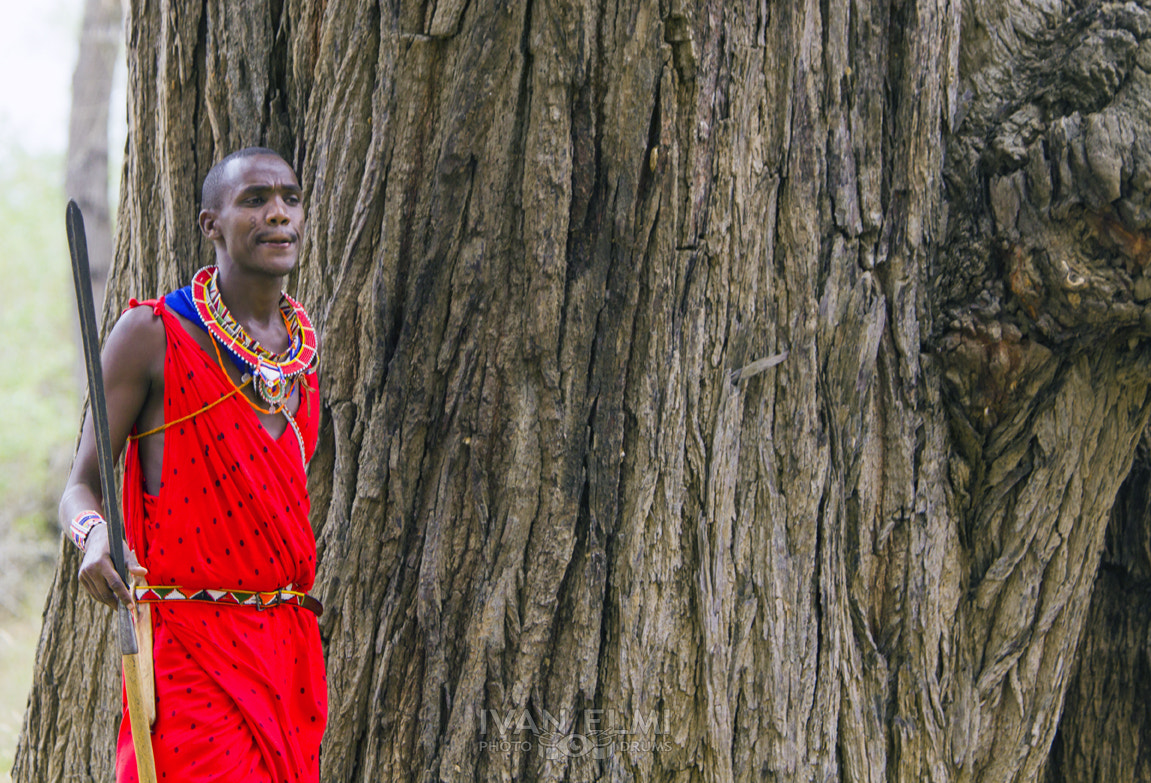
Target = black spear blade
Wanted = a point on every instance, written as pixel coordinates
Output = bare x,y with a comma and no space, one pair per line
78,246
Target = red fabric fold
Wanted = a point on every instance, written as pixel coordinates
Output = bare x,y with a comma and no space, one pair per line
240,692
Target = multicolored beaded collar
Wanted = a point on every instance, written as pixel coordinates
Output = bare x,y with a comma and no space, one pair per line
272,374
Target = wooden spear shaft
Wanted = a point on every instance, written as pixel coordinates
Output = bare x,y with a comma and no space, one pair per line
137,711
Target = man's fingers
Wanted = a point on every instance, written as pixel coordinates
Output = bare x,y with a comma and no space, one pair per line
99,589
103,583
119,590
106,589
98,576
134,566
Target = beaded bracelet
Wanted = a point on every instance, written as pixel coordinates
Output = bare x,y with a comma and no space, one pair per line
82,525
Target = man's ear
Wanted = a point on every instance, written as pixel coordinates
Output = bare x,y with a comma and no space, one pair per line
207,221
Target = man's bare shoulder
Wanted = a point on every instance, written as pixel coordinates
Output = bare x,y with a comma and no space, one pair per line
137,340
140,322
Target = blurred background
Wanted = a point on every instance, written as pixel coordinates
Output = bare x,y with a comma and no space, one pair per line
46,48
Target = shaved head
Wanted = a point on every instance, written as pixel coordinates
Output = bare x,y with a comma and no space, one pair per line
216,183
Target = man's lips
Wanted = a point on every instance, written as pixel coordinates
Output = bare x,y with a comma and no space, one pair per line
276,239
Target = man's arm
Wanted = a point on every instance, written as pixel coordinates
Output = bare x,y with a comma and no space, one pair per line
133,366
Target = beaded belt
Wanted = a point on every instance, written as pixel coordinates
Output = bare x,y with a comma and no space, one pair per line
260,600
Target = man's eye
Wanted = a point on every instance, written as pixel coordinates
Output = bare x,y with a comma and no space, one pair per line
292,200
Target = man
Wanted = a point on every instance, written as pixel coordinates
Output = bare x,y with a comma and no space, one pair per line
213,389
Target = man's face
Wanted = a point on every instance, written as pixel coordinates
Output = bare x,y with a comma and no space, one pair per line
260,217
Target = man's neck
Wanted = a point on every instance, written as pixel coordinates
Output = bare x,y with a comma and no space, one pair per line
251,299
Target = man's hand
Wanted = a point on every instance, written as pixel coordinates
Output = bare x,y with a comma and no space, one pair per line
98,576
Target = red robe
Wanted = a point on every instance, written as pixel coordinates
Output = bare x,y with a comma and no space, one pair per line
240,692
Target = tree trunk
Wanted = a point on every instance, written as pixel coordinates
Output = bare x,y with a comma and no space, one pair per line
86,176
1105,733
713,391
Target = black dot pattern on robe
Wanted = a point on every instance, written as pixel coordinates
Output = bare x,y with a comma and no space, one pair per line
231,705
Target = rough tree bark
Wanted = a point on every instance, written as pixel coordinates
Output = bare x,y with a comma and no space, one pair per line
713,391
1105,733
86,175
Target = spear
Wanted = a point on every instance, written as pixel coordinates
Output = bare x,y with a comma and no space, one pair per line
129,650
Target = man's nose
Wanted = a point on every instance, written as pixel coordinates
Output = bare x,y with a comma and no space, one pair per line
278,211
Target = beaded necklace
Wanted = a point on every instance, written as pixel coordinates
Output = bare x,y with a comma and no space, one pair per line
273,375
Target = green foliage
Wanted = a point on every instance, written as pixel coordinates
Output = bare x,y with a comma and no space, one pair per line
39,386
39,410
